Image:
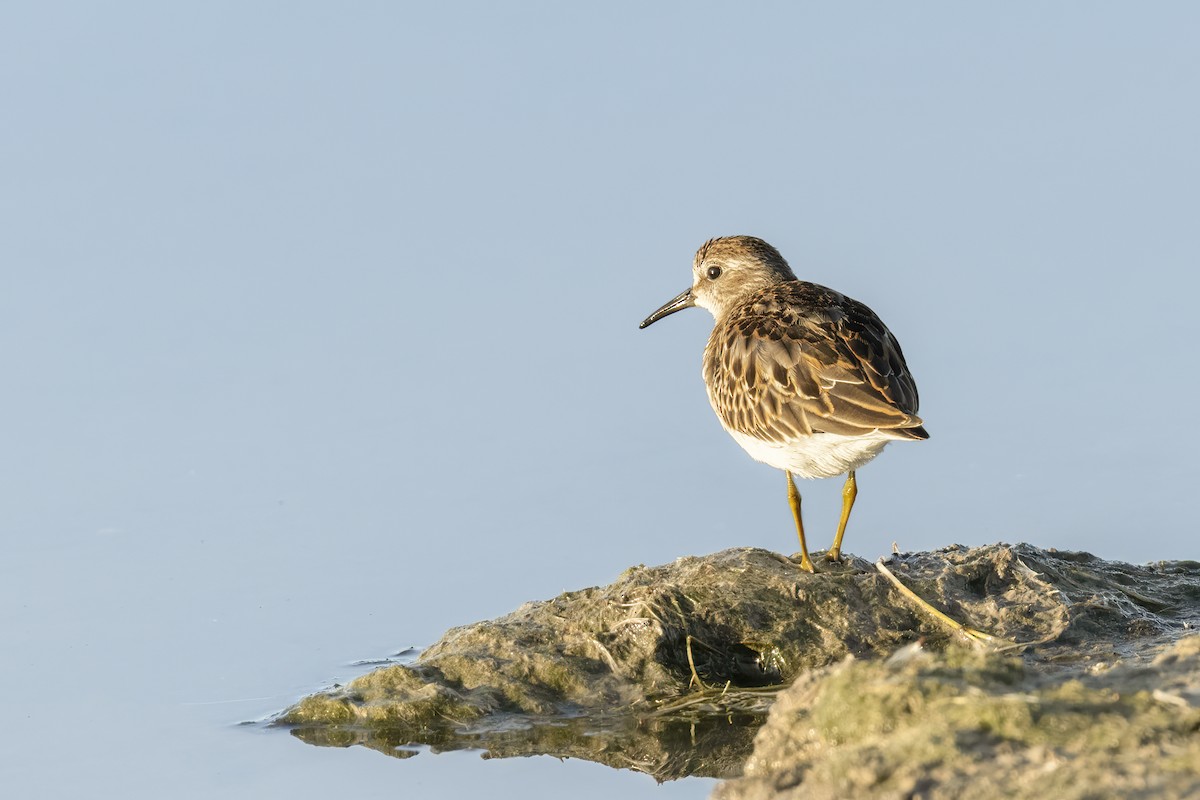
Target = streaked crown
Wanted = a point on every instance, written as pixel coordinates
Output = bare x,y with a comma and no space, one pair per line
730,269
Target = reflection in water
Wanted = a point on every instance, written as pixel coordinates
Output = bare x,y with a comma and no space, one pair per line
671,670
668,671
665,747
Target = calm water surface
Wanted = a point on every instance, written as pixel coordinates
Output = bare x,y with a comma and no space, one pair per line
134,657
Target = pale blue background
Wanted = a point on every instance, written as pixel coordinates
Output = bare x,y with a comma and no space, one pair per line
318,330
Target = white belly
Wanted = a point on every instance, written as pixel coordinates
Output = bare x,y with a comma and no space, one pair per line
821,455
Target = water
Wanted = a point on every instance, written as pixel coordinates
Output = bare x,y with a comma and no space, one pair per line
318,329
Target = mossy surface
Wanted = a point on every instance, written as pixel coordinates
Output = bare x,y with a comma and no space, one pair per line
671,670
930,726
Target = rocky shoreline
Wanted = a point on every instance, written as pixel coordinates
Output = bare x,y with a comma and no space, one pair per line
737,665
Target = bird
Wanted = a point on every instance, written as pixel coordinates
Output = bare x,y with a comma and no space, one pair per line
804,378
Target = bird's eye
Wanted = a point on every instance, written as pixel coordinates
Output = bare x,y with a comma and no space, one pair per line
714,273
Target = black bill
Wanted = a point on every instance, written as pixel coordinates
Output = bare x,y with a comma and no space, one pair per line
678,303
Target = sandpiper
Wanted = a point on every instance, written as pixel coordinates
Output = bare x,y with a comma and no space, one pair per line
804,378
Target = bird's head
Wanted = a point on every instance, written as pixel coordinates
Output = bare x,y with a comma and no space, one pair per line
725,272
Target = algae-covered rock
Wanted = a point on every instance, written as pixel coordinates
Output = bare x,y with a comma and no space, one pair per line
670,670
972,725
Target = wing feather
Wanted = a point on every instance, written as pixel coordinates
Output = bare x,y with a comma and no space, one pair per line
800,359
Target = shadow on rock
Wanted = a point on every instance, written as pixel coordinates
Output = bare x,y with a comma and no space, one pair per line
672,670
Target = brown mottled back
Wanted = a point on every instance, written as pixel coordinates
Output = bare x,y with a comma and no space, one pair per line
793,358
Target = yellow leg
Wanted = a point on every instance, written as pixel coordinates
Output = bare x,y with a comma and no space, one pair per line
794,500
849,492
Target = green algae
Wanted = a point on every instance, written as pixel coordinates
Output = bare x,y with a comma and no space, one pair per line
671,670
979,725
394,696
